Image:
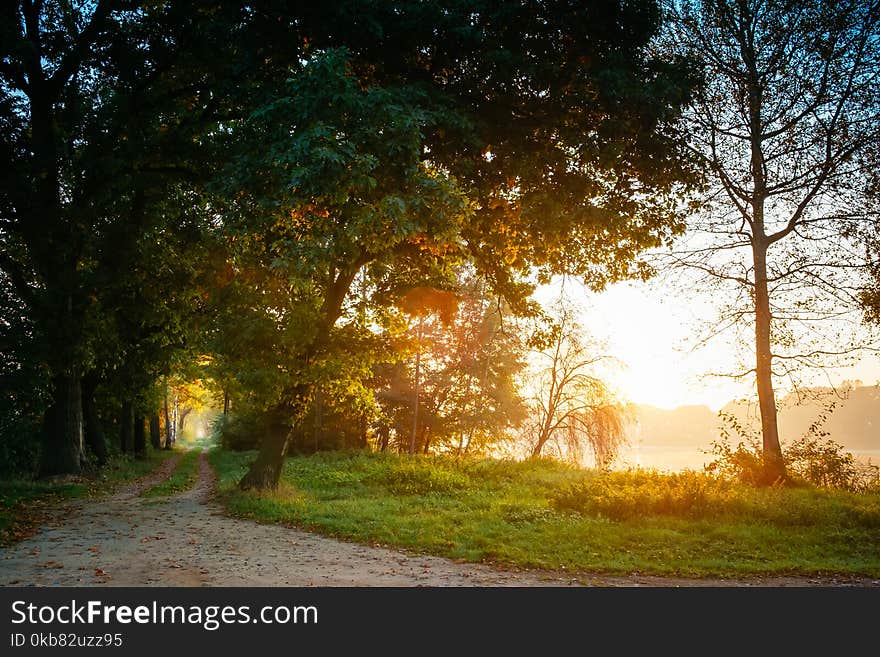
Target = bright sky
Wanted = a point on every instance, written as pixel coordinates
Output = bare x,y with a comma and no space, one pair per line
650,329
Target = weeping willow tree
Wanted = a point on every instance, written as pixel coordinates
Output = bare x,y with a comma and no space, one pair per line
572,412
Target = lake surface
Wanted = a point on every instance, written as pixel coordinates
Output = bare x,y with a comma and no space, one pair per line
652,457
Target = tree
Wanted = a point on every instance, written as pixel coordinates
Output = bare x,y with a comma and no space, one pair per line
107,111
557,152
24,385
467,367
569,406
51,118
475,394
420,302
783,124
360,195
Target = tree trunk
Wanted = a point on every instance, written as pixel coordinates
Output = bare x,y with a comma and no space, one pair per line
417,386
536,452
265,471
318,425
169,427
62,448
774,466
554,395
63,428
126,427
181,423
155,436
543,435
225,402
140,435
362,433
467,445
94,434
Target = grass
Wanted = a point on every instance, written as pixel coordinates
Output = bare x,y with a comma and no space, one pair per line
541,514
183,477
23,502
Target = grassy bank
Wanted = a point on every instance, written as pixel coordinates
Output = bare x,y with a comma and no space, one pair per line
183,477
24,502
547,515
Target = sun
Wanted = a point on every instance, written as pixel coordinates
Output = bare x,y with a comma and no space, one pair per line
647,332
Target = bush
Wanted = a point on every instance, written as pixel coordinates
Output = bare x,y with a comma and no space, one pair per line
827,464
20,435
238,433
521,515
19,453
815,460
744,463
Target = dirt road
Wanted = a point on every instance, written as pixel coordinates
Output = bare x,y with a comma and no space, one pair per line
185,540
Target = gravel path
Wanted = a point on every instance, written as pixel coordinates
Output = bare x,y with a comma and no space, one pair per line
185,540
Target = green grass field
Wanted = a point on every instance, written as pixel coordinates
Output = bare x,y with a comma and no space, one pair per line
543,514
22,501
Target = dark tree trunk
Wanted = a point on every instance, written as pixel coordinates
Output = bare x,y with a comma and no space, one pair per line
126,427
63,428
539,446
364,443
774,465
94,434
140,435
225,402
155,436
62,449
318,425
49,241
265,472
553,398
169,427
181,423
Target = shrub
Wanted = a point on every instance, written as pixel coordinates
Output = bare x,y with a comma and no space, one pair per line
827,464
744,463
815,460
238,433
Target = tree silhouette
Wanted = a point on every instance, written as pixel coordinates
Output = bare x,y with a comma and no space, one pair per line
570,407
783,124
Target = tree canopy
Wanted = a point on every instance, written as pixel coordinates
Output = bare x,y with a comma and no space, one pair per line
261,184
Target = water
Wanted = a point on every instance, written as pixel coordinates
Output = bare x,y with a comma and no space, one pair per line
679,458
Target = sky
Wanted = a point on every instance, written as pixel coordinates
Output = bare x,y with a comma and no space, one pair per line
650,330
650,334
